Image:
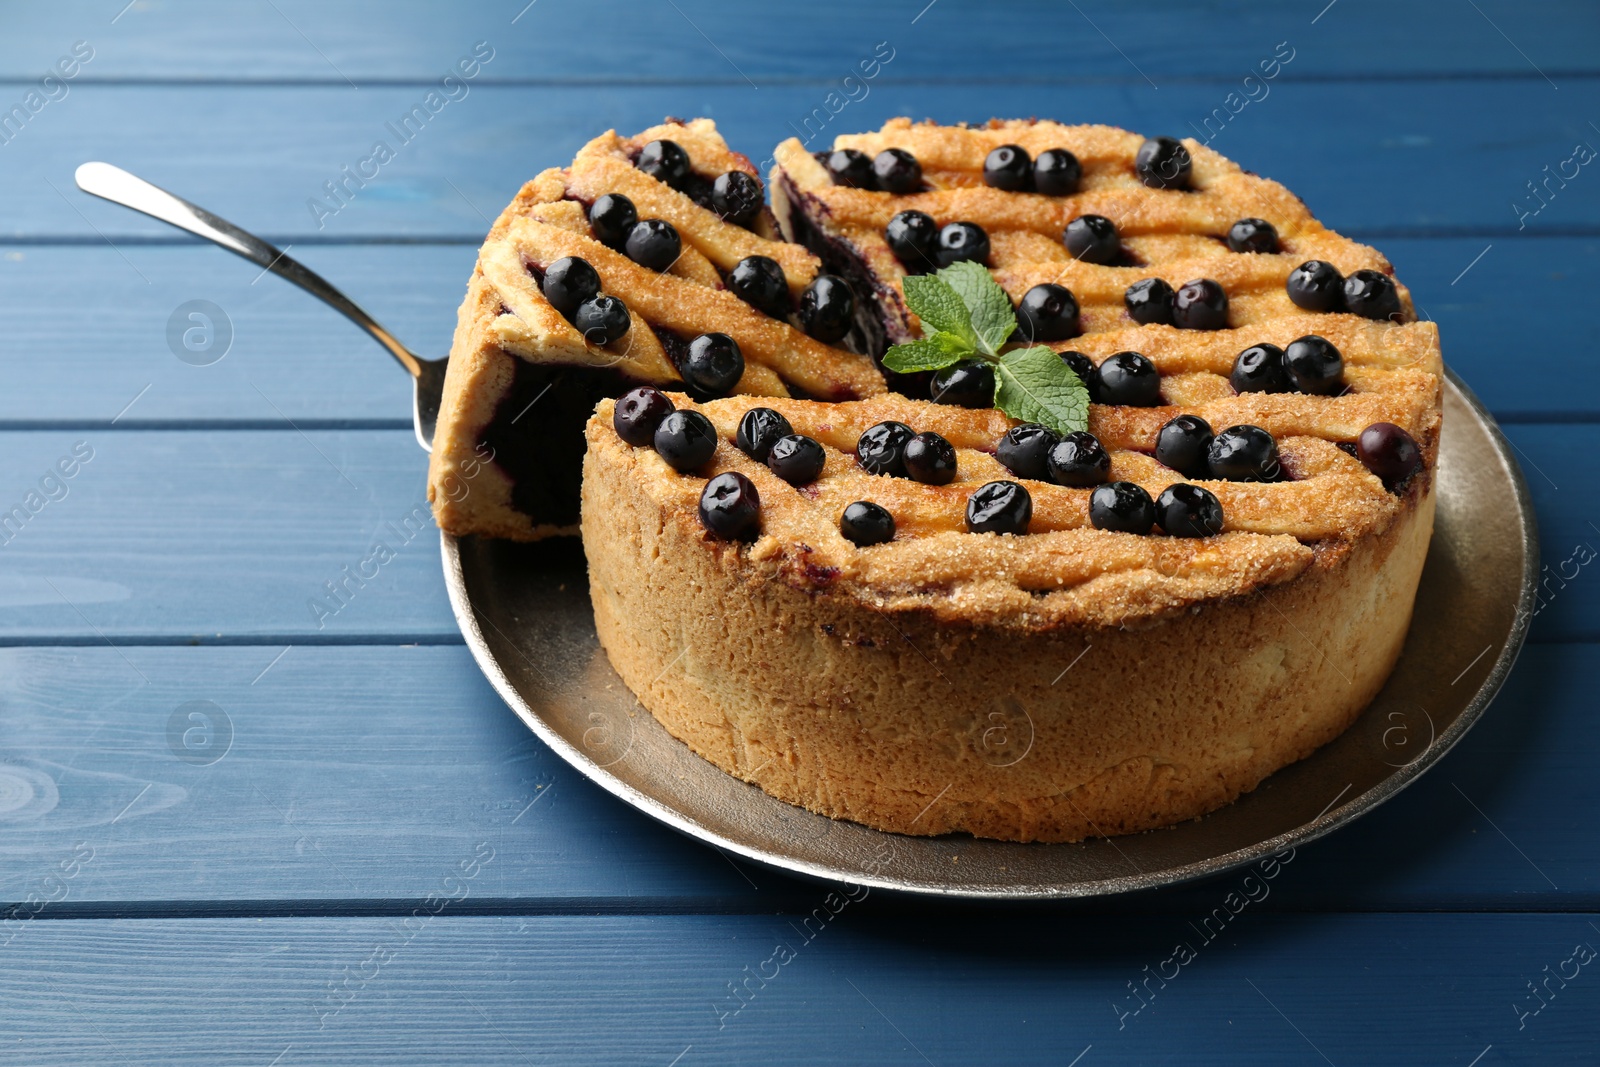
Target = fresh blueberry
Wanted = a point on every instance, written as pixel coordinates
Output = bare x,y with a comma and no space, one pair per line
881,449
1025,450
1315,365
1389,452
1261,369
1079,460
1093,239
848,167
827,308
637,414
1149,302
1185,510
601,319
653,243
930,459
1183,444
1372,293
759,282
1200,305
865,523
967,384
568,282
730,507
759,428
713,365
1086,371
1056,173
913,237
897,171
1122,507
665,161
1163,163
1047,312
1243,454
1010,168
961,242
686,440
737,197
1129,378
797,459
1253,235
1316,285
611,217
1000,508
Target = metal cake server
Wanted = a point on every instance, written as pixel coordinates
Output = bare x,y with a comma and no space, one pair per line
118,186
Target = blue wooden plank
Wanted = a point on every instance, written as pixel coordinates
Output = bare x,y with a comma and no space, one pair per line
319,368
199,535
371,41
1383,157
344,779
1021,988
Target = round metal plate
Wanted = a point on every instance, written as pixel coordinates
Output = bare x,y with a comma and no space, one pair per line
524,610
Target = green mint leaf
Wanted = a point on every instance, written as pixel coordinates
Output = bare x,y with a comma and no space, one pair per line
993,320
939,307
1036,385
931,353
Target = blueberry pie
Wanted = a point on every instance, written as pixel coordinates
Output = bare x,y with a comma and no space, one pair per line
911,610
651,260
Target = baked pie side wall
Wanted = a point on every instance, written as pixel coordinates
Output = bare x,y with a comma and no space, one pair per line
853,714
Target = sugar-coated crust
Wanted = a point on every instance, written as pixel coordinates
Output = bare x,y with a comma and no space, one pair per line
901,717
505,317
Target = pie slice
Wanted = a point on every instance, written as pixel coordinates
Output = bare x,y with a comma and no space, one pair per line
923,616
658,224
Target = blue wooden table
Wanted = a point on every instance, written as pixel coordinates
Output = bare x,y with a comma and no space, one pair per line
235,831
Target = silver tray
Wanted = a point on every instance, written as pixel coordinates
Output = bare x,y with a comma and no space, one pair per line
524,610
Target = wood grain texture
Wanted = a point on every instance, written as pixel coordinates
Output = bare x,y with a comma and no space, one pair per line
232,536
1383,157
863,989
344,779
370,41
319,368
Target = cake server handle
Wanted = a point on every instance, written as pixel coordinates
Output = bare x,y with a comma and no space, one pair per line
118,186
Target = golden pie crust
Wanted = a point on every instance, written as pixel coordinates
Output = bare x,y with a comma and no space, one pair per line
1069,682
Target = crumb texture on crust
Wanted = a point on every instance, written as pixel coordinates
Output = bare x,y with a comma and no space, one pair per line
505,321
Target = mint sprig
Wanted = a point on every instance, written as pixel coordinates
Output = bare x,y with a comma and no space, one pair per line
966,315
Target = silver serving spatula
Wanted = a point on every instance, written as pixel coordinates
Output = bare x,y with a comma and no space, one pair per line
120,187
